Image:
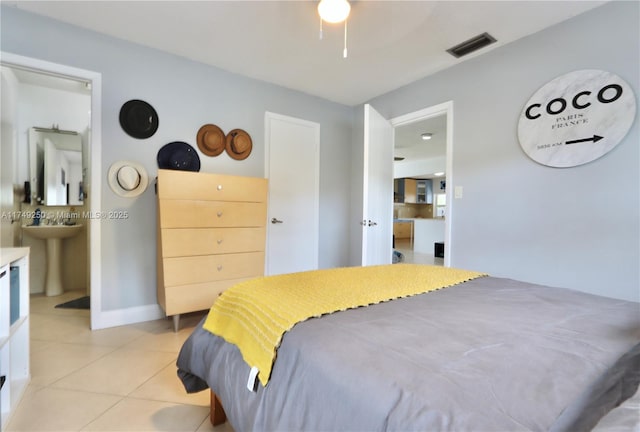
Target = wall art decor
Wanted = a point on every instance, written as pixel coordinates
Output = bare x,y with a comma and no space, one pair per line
576,118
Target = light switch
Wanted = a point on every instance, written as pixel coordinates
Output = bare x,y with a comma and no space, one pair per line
457,192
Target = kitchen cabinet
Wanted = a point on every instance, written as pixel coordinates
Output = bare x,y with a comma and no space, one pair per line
402,230
398,190
404,190
424,192
412,191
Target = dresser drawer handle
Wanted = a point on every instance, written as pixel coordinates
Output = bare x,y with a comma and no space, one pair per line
219,187
219,268
219,214
219,241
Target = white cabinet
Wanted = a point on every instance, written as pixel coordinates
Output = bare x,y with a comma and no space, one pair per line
424,192
14,329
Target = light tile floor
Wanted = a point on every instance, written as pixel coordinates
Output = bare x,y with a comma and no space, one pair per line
117,379
406,248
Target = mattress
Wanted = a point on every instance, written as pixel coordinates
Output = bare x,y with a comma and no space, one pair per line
490,354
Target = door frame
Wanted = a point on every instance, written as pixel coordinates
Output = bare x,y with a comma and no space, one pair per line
95,154
314,224
445,108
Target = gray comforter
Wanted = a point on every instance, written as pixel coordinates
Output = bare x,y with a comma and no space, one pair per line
488,355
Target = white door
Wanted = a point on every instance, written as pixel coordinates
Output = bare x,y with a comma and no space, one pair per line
377,215
292,159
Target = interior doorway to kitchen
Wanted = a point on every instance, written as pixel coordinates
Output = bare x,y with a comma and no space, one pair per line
422,169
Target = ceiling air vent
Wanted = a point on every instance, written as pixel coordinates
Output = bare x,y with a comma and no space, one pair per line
471,45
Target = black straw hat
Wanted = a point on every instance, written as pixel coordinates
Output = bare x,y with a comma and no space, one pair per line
138,119
178,155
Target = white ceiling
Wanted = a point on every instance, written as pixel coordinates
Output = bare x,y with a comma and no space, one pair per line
391,43
410,145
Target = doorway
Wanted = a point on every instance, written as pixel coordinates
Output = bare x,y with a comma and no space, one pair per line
92,185
428,167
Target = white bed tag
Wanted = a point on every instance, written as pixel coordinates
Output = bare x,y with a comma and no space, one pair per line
252,381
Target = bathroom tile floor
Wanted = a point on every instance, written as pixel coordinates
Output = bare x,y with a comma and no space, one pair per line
117,379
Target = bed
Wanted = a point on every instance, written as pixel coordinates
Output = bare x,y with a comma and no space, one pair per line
486,354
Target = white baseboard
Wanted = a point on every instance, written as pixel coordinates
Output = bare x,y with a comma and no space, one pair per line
119,317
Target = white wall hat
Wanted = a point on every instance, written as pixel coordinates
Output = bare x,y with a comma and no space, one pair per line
128,179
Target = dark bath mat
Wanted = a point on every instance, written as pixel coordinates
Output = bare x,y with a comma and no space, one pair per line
80,303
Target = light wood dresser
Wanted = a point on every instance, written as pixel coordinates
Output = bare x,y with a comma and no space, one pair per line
211,235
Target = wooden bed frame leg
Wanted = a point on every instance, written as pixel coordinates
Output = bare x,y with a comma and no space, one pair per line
217,414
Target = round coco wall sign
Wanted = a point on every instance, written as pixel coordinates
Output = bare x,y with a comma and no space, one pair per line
576,118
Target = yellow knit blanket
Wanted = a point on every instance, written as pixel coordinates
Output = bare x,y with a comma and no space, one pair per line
254,315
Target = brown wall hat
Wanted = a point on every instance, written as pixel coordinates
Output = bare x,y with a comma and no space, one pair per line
239,144
211,140
138,119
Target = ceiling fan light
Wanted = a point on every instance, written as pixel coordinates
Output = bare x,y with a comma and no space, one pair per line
334,11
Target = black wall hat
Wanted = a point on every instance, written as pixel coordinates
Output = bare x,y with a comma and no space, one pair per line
138,119
178,155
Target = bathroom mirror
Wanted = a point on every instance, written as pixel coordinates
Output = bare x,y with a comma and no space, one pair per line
55,167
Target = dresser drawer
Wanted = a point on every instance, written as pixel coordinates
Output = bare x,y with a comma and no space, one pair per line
173,184
183,242
208,268
204,214
195,297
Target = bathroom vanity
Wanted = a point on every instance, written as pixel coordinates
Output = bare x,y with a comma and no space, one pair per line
14,329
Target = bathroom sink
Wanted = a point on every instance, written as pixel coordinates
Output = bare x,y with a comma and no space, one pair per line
52,231
53,234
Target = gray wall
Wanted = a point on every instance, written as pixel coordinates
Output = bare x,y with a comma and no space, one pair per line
576,227
186,95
